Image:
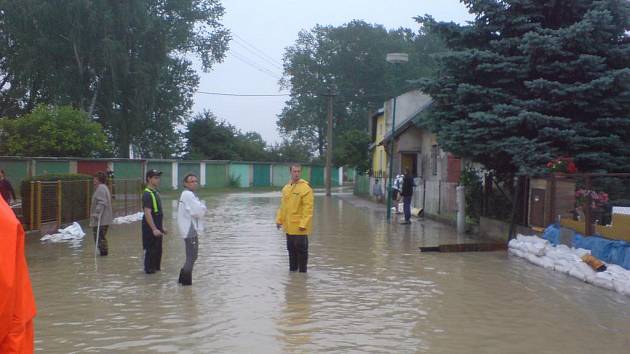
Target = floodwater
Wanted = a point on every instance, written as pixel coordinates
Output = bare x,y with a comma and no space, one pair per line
368,290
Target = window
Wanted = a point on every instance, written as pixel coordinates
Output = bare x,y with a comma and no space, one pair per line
434,160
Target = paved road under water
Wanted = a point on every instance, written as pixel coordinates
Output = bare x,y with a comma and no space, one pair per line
368,289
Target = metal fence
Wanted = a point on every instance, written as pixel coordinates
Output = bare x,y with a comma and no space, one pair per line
53,203
436,197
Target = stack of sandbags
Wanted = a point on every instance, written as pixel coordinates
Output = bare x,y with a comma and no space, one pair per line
129,218
569,261
73,232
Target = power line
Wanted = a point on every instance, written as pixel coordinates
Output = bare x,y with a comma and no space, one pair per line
242,94
269,62
262,53
255,65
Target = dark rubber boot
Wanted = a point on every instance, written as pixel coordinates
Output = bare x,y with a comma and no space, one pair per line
181,276
186,278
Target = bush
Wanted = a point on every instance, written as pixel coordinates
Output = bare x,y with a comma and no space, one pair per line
52,131
234,181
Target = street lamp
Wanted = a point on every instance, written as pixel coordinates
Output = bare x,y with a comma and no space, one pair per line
397,59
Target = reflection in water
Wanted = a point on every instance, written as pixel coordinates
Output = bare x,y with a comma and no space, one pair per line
368,289
295,320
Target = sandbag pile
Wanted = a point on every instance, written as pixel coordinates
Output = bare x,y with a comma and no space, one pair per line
569,261
129,218
71,233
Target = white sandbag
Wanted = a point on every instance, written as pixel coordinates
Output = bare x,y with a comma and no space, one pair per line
569,261
581,252
604,280
70,233
576,273
128,218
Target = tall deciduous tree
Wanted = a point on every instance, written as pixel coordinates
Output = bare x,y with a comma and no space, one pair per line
350,61
122,61
529,80
209,138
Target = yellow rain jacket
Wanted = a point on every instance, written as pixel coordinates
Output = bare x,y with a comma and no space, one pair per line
296,208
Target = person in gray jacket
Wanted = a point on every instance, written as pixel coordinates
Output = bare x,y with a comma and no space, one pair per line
101,215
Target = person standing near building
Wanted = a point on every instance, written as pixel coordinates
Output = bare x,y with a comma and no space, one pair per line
396,189
6,189
152,227
190,212
407,193
295,215
17,303
101,215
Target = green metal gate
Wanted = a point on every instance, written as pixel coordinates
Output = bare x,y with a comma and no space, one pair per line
216,175
166,167
262,176
317,176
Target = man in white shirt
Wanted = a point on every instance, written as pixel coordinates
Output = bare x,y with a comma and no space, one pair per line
190,212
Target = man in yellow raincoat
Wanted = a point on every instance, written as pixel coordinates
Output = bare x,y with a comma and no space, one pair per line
17,304
295,215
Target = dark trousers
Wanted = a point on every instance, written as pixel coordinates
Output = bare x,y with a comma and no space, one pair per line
102,241
407,207
192,249
153,255
152,250
297,245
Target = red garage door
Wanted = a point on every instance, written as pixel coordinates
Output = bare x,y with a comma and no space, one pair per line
91,167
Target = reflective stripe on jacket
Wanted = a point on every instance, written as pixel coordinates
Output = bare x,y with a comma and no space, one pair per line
296,208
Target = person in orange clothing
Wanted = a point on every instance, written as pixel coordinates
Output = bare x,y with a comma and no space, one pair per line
17,304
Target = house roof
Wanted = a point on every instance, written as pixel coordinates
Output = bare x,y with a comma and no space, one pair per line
406,123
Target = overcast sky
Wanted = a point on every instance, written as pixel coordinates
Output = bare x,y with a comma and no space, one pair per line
261,31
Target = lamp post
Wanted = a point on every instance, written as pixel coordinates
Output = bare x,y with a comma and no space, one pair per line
397,59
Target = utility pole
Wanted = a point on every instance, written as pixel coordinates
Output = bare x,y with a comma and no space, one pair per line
329,143
397,59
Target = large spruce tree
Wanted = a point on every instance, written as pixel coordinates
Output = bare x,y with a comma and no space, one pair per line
530,80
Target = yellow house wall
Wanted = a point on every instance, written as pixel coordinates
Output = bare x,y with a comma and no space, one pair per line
379,157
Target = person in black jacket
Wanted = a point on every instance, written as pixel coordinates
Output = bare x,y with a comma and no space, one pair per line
407,193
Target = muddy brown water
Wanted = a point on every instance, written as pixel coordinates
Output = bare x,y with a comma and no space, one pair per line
368,290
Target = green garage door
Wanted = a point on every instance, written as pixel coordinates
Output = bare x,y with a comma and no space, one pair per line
317,176
306,173
185,168
15,171
166,167
128,170
240,172
216,176
262,176
281,175
51,167
335,176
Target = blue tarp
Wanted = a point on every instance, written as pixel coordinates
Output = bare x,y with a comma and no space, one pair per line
552,234
610,251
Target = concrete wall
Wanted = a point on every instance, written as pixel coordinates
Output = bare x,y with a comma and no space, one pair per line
499,230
